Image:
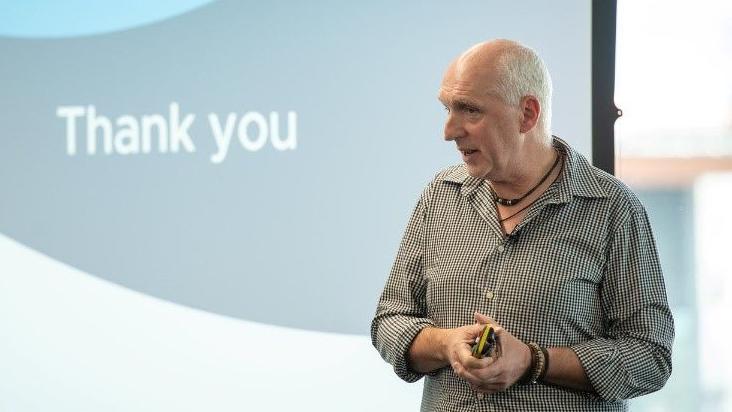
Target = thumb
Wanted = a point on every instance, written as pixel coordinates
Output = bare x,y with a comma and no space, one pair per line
476,328
483,319
473,331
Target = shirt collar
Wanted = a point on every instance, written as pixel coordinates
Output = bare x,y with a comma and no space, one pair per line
578,177
459,174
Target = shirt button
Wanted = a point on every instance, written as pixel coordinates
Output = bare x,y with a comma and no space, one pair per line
500,248
489,294
481,395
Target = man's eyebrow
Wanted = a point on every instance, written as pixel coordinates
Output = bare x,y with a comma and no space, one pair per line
459,103
463,104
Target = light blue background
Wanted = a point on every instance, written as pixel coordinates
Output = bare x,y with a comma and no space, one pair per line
303,238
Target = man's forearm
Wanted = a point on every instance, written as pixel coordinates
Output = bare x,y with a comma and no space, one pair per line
427,352
566,370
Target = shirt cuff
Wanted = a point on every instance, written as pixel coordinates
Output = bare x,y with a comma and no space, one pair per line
600,359
401,350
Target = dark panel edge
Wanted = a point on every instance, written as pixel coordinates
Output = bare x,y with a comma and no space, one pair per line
604,111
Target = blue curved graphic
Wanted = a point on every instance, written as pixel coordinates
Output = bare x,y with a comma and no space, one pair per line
70,18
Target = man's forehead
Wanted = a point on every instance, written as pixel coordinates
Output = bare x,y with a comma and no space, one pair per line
464,88
452,96
469,71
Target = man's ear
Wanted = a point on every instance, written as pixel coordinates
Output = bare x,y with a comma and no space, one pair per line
530,111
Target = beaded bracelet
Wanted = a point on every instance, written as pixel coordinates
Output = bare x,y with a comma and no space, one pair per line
538,367
546,364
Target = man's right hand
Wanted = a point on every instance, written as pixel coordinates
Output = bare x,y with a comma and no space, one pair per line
435,348
459,343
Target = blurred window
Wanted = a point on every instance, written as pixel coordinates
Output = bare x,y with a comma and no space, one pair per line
674,149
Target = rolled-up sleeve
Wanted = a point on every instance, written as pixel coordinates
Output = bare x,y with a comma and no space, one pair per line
634,356
401,311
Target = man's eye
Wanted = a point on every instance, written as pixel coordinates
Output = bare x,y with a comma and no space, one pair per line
471,110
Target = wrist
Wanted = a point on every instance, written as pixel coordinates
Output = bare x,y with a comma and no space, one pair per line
442,342
435,339
539,365
425,353
527,365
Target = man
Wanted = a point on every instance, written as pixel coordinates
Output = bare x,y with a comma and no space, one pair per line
527,236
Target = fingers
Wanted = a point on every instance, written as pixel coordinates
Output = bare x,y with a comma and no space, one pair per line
486,379
467,361
477,378
472,362
485,375
466,374
483,319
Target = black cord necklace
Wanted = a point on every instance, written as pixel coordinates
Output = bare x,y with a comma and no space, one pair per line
519,211
511,202
501,220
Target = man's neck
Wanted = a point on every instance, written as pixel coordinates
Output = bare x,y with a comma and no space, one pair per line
526,170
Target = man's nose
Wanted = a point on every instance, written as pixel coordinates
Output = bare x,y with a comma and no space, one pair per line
453,127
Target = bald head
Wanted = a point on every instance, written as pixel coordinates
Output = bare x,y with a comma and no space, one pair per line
509,70
484,55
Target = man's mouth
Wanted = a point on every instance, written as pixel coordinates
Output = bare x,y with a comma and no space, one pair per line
467,151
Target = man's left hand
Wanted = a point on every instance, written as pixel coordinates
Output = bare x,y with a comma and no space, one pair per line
491,375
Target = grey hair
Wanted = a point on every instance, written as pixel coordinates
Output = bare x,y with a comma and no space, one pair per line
521,72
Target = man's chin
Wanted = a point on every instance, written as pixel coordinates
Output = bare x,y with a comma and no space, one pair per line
476,172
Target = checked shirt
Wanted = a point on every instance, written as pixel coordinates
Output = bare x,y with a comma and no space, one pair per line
581,271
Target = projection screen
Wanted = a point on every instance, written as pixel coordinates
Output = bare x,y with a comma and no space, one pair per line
201,200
